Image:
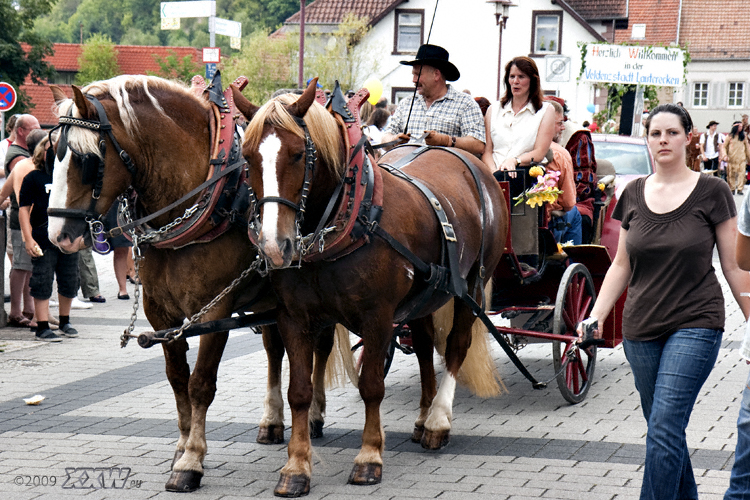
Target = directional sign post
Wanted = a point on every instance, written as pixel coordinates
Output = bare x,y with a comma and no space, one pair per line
8,96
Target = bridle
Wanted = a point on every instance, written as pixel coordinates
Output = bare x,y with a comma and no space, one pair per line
311,157
92,165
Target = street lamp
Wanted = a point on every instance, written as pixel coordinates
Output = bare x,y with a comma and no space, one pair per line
501,18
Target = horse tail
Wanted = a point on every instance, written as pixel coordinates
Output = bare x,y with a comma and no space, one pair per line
478,372
341,363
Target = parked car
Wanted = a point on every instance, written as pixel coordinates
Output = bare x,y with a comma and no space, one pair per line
631,159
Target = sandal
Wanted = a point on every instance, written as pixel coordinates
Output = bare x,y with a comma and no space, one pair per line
20,322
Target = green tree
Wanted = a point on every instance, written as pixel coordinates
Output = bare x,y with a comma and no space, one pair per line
17,19
98,60
178,69
268,62
345,56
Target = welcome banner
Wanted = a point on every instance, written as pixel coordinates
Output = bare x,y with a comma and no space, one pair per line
662,66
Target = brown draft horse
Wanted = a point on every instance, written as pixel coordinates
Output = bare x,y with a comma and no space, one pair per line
369,289
165,130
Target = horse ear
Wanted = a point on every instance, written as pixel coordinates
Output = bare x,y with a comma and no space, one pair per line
84,106
58,94
242,104
300,106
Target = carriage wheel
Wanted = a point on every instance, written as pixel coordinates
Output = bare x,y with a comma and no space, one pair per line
575,299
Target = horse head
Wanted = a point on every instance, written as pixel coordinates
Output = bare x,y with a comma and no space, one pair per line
295,157
79,194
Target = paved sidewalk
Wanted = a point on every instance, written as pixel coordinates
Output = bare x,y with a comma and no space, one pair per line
108,407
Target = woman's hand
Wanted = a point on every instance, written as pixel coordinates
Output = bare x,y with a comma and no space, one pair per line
32,248
508,164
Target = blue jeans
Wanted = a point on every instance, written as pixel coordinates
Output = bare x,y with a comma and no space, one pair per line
571,229
669,374
739,482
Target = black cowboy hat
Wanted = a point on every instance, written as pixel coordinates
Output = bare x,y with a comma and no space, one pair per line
711,123
437,57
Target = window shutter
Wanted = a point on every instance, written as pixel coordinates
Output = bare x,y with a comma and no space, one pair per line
717,95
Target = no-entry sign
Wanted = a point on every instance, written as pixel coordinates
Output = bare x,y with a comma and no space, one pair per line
7,96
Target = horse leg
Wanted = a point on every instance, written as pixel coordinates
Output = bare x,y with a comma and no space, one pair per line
438,423
323,348
422,334
376,334
271,427
294,480
188,470
178,374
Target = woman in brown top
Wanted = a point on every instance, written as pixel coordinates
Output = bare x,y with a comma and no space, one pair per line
674,312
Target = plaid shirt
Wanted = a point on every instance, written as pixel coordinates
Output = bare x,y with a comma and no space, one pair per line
455,114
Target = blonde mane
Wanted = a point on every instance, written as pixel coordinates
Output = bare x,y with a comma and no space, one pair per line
322,127
119,89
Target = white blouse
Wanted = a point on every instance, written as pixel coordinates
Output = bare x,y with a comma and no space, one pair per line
514,134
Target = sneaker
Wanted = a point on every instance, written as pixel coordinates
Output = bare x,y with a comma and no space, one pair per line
67,330
79,304
48,336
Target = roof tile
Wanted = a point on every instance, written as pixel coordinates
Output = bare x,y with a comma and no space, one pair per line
715,30
600,9
334,11
132,59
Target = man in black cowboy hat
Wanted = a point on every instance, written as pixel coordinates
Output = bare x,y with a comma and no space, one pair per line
440,115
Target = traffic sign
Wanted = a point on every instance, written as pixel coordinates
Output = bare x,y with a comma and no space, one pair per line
188,9
211,54
226,27
8,96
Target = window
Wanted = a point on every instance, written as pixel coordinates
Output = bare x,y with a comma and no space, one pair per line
639,32
398,93
63,78
547,31
736,94
408,31
700,94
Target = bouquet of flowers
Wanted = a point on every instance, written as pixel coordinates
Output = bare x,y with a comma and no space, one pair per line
545,189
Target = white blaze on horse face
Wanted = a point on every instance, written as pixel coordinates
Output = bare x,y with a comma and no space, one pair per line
269,152
59,195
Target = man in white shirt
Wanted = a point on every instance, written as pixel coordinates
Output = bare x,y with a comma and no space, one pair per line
710,144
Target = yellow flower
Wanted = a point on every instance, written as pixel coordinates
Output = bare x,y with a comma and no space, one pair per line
536,171
600,186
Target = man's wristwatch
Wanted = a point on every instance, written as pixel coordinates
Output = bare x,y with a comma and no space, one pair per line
453,141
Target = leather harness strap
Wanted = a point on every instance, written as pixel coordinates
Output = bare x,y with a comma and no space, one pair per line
448,279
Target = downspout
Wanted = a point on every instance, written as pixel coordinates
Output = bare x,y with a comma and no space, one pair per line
679,20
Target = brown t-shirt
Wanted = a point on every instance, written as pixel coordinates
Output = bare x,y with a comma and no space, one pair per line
673,283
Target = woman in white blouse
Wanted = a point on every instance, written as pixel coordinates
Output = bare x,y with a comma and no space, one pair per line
519,129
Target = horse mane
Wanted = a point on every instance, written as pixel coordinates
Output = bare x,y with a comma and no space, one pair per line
323,129
119,89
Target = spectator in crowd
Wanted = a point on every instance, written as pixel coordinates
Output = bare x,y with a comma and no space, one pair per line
710,144
47,260
440,116
673,319
21,302
5,143
484,104
121,258
735,152
89,276
375,126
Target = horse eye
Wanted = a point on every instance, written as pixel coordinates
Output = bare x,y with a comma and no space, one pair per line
298,157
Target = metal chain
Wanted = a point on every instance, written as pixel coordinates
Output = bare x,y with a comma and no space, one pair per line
137,257
234,284
179,220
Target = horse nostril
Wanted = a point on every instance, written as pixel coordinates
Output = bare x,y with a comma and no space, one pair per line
286,249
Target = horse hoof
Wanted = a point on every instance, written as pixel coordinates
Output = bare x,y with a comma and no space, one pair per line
292,486
177,455
273,434
316,429
434,440
365,474
184,481
416,436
